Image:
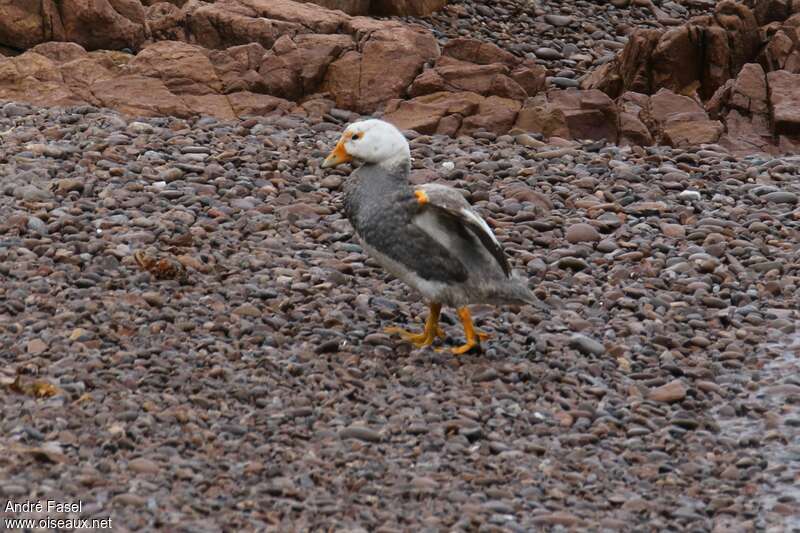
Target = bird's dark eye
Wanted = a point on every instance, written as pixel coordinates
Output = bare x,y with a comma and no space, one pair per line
357,136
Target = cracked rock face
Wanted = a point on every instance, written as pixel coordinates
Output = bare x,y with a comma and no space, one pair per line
512,67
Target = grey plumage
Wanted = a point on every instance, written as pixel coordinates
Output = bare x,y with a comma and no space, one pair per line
441,248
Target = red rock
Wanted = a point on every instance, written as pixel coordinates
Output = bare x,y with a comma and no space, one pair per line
782,52
91,23
183,68
674,391
311,17
784,99
295,67
423,114
139,95
747,134
677,61
245,103
480,52
449,125
34,78
98,24
214,105
229,23
384,8
666,107
692,133
571,113
166,21
634,113
22,24
237,67
767,11
696,57
532,78
402,8
495,114
539,116
589,114
406,49
351,7
359,81
456,76
80,74
749,91
60,52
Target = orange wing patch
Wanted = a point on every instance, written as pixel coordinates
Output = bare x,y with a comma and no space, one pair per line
422,198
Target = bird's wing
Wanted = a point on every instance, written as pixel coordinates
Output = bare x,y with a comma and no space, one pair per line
447,202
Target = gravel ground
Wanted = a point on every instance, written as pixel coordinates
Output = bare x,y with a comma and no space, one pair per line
570,38
212,334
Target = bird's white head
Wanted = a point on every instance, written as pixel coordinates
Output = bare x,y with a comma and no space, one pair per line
373,142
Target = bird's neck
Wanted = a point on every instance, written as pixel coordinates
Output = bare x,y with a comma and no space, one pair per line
399,165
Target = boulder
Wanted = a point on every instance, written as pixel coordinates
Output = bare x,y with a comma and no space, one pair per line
139,96
59,52
167,22
237,67
749,91
245,103
457,76
296,66
423,114
311,17
96,24
680,121
34,78
589,114
782,51
571,113
93,24
183,68
351,7
360,80
342,80
24,24
784,100
480,52
634,115
495,114
405,8
667,107
402,8
540,116
692,133
532,78
229,23
82,73
767,11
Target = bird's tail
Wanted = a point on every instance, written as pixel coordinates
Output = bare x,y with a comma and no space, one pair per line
520,294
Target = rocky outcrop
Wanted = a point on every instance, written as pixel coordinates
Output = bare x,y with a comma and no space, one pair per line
728,78
570,113
167,78
359,81
696,57
782,51
93,24
414,8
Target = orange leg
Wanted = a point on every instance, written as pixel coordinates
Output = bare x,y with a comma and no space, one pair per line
474,337
428,335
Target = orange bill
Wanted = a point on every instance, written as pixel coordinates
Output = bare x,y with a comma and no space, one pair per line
338,156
